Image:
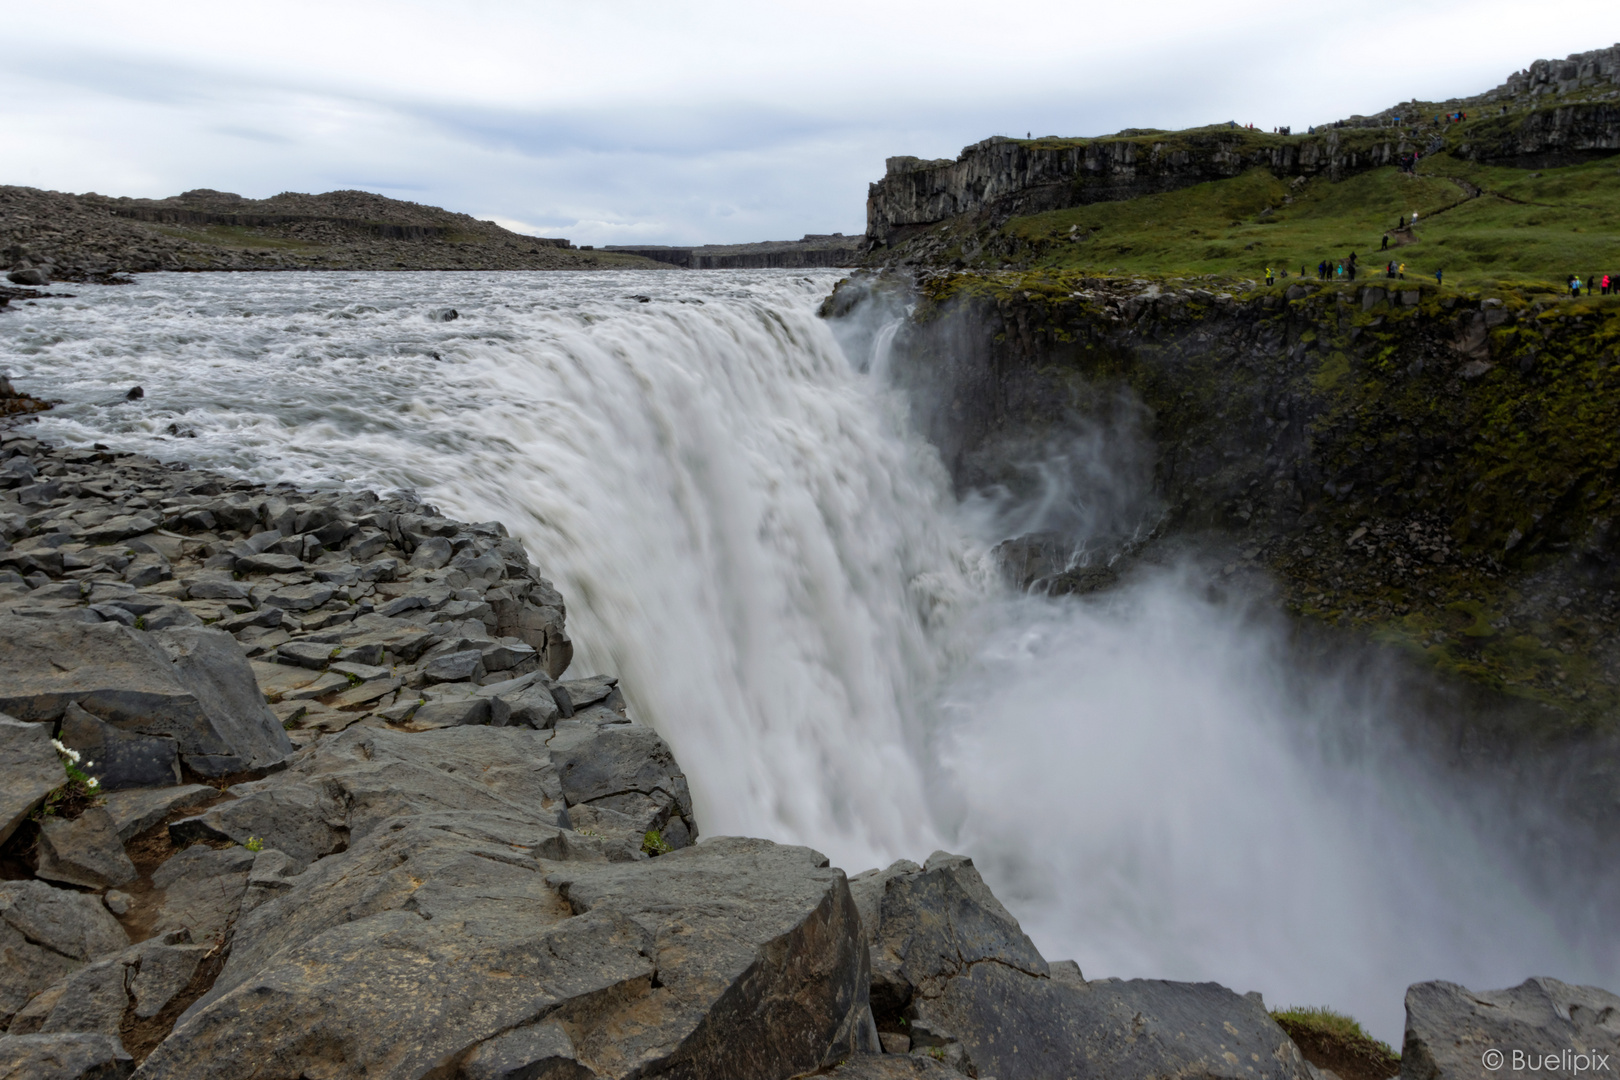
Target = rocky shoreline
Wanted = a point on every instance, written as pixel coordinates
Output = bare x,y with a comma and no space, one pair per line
324,801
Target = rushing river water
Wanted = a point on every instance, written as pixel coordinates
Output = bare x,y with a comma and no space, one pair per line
749,536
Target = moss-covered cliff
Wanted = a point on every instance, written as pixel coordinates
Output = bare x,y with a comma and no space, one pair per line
1434,469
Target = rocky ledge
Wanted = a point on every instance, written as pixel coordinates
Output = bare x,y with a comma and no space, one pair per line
294,786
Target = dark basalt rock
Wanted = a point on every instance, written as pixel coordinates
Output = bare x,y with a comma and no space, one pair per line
188,684
1450,1029
29,770
379,961
952,963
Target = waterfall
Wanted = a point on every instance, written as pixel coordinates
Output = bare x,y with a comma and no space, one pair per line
749,534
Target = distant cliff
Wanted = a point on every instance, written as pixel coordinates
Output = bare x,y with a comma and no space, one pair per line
90,236
1554,112
815,250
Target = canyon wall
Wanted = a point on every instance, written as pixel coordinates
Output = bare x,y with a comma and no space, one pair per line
1429,471
1555,112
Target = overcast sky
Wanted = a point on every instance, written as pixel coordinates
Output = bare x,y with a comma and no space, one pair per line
689,122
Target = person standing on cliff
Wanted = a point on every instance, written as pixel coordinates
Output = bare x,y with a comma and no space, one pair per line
1271,276
1386,243
1350,266
1440,277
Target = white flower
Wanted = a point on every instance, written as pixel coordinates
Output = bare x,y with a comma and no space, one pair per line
71,755
92,783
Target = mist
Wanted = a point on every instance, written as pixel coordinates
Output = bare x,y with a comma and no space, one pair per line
1168,778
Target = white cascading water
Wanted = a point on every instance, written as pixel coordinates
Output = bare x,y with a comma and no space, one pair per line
749,536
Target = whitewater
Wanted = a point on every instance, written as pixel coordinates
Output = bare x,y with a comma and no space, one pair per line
749,534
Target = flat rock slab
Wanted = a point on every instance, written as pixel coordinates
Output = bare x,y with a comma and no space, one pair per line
1450,1029
352,783
473,939
1013,1026
30,769
269,564
134,811
203,889
190,684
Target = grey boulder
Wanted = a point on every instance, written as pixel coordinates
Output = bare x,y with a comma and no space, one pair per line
190,683
45,934
29,770
120,759
955,965
85,851
926,925
1450,1029
432,553
472,944
211,665
626,768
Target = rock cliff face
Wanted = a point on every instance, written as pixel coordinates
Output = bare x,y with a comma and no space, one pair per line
1556,112
1004,177
1429,470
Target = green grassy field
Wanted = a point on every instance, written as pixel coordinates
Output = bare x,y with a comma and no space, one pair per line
1480,224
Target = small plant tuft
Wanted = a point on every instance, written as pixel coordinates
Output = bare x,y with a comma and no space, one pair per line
653,843
254,844
79,792
1332,1040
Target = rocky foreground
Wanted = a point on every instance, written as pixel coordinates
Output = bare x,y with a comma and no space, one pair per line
322,804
